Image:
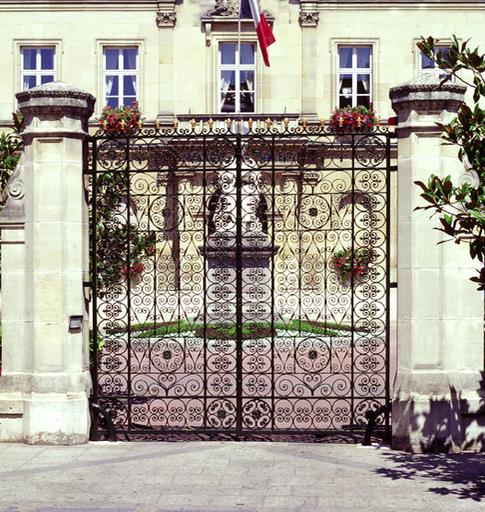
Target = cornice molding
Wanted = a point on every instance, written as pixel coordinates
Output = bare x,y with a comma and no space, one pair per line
331,5
81,5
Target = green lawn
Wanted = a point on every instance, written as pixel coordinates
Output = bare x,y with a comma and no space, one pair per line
250,330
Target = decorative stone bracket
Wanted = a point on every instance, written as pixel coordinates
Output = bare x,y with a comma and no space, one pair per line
166,14
309,18
223,15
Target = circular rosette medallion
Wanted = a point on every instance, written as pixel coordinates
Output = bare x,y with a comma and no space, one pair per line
314,211
111,154
313,354
257,152
370,150
165,214
221,414
167,354
257,414
220,152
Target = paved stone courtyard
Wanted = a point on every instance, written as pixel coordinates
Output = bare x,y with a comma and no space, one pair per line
235,477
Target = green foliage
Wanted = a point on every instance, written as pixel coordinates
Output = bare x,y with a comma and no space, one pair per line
113,232
461,206
250,330
348,263
10,147
99,345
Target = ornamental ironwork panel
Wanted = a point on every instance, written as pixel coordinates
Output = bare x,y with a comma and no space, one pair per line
240,278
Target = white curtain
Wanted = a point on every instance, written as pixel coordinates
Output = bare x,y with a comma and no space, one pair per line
247,77
226,78
131,90
109,84
247,54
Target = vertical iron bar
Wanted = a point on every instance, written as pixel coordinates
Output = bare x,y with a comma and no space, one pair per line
128,273
272,285
239,286
205,233
388,270
94,277
352,293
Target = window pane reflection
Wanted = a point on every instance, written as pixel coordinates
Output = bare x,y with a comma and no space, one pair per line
363,57
111,58
28,82
247,81
29,58
129,58
44,79
345,57
364,101
227,53
345,85
129,85
363,84
228,102
47,58
247,53
345,101
112,85
129,100
426,62
247,102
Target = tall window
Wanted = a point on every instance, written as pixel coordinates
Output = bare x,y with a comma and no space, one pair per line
120,76
237,90
426,65
37,65
354,76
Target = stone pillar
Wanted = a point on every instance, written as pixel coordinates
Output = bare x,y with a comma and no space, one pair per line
166,20
309,80
439,385
47,378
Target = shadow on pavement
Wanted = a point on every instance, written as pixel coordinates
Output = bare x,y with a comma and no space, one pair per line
460,475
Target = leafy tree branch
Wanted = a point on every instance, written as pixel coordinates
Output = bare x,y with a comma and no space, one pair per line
460,205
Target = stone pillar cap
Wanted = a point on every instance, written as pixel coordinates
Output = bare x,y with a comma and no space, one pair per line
56,94
424,93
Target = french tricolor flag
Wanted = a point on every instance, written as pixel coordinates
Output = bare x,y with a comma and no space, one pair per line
263,30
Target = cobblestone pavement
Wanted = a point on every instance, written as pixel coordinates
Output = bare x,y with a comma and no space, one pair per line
235,477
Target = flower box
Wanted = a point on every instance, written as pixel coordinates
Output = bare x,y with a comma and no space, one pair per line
120,119
353,119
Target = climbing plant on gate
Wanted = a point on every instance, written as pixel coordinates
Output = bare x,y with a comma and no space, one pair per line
116,259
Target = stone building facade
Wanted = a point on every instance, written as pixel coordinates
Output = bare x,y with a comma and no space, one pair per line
179,59
168,54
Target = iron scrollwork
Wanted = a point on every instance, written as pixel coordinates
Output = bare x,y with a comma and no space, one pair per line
236,320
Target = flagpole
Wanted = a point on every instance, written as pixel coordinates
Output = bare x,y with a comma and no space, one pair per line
238,67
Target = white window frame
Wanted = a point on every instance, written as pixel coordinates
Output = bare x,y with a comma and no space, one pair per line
435,70
354,71
234,67
120,72
18,44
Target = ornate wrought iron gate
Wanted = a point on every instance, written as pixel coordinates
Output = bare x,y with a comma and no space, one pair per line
240,278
